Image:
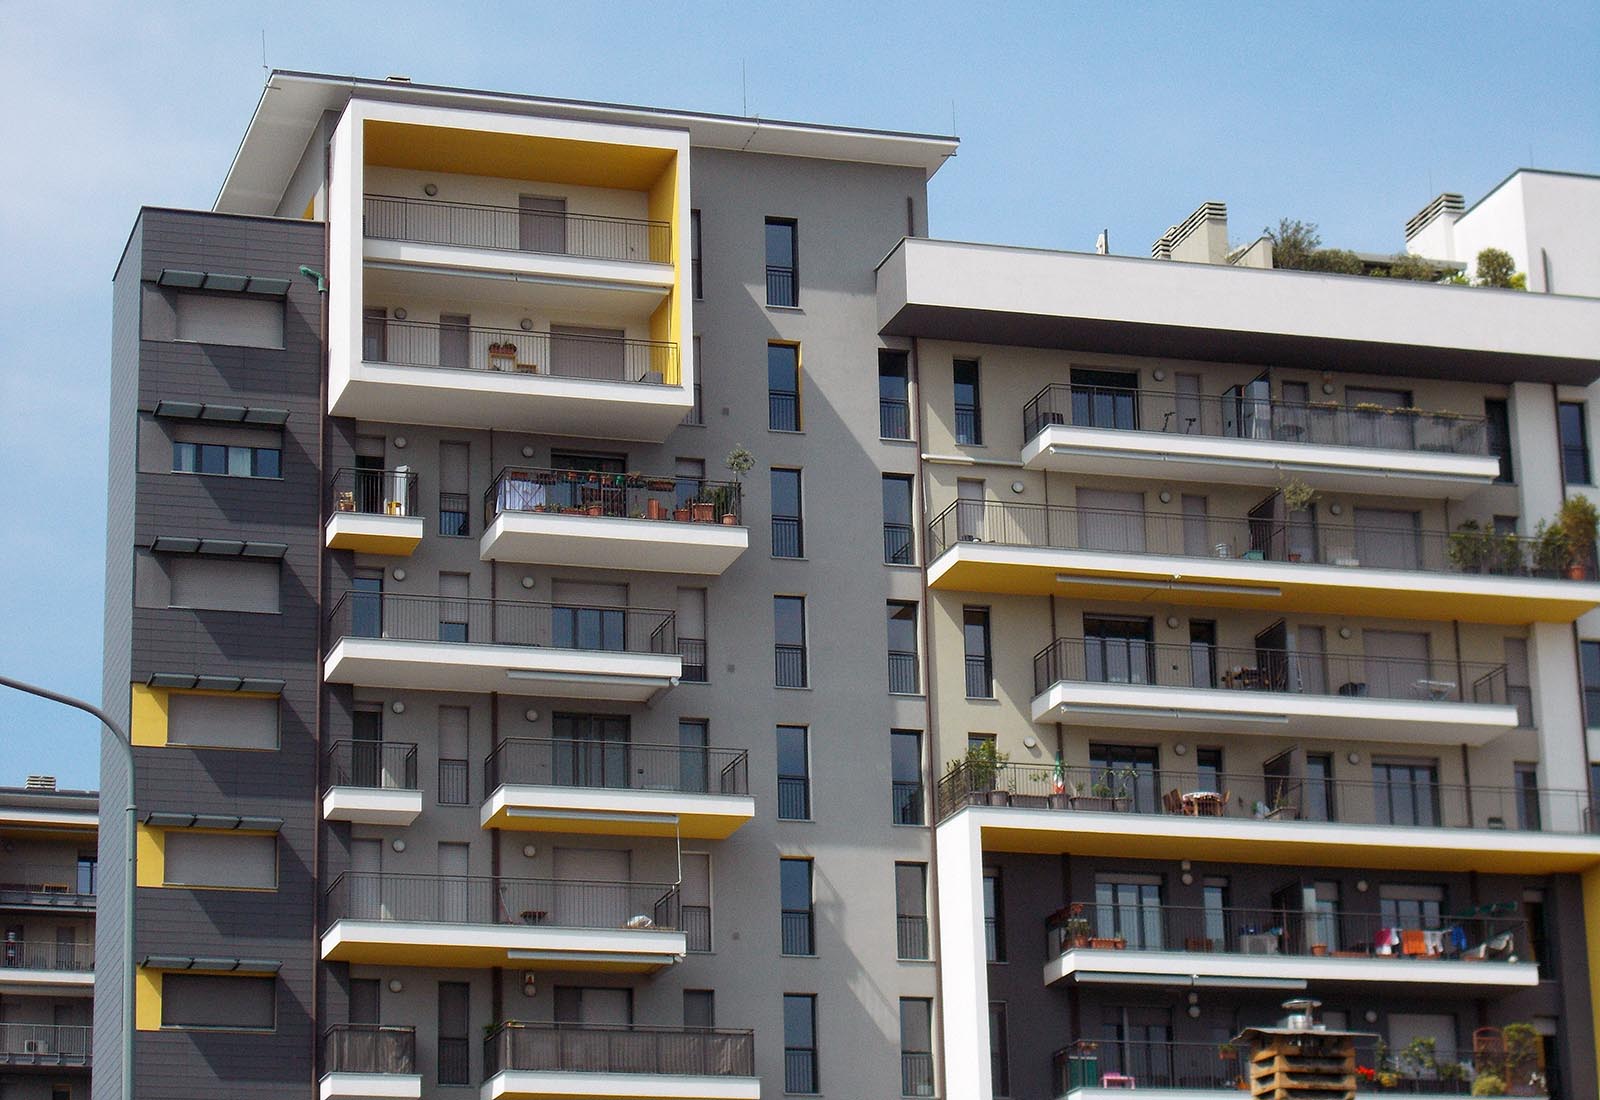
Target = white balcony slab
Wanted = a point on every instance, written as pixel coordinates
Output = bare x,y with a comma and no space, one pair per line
638,277
1090,966
616,811
608,542
30,979
370,1086
371,805
373,534
554,1085
510,669
447,944
1205,459
1273,713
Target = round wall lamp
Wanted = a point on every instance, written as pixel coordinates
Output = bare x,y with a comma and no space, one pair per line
529,851
399,313
527,582
1194,1012
1370,1015
527,324
527,450
396,985
1159,375
398,707
1172,622
1193,998
1327,387
1017,487
1030,742
1187,878
531,715
398,574
1178,750
400,442
1336,508
1344,632
1166,497
1361,886
430,189
1354,757
398,845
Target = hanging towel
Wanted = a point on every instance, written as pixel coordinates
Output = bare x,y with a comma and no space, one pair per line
1458,938
1384,941
1413,942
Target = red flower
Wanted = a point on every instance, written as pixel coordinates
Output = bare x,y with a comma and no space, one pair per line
1367,1073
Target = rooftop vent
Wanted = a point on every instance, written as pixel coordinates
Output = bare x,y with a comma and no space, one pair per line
1202,237
1447,202
41,782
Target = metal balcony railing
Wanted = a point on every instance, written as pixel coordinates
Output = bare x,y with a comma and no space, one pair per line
1283,932
899,546
907,796
42,895
374,492
1295,541
782,286
799,932
916,1073
1237,416
693,650
799,1070
617,496
46,1044
369,1048
560,354
789,665
1412,801
894,418
696,927
616,765
379,765
619,1048
911,937
904,677
43,955
477,621
466,899
1259,669
512,229
794,798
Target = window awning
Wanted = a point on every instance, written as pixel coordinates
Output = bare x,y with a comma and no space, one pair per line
165,819
223,281
221,414
225,548
211,962
190,681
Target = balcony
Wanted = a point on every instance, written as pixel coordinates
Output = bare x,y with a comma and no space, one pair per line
1198,1071
56,897
563,383
616,788
1280,815
369,1062
462,921
1290,949
588,519
1247,437
46,1046
446,643
374,512
372,782
42,967
1129,683
1267,563
538,1061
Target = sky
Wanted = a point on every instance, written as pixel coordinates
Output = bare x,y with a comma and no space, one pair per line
1074,118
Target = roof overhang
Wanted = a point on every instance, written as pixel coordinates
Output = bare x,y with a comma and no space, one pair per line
293,103
990,294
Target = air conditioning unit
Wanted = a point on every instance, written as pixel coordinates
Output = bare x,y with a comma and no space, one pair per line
35,1046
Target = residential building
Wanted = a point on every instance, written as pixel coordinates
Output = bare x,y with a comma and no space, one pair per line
529,695
48,886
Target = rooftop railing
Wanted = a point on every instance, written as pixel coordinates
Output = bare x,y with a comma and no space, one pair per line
379,765
1406,548
616,765
476,621
375,492
513,351
369,1048
619,1048
618,496
1233,930
466,899
1260,669
46,1044
1238,416
512,229
1413,800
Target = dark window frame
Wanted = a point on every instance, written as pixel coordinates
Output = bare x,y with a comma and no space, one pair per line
780,276
970,434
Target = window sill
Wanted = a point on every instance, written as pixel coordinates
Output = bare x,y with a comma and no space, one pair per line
907,695
895,439
231,477
786,431
790,687
982,699
903,565
797,820
924,961
785,309
788,557
786,955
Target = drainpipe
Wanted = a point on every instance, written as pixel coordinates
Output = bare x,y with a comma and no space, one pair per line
1466,763
319,714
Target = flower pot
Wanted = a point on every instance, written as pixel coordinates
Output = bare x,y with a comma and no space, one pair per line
1577,572
596,510
681,515
1319,949
999,798
654,509
1061,802
703,511
730,520
1107,943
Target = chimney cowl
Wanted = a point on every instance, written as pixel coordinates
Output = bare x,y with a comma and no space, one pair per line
41,783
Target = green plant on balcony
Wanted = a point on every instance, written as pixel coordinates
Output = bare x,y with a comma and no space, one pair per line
1372,407
1471,548
1579,522
1297,495
1419,1057
740,461
1551,554
1488,1084
981,765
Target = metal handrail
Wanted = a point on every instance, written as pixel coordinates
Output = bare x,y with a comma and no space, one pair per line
481,225
1241,416
371,492
379,765
369,1048
46,1044
433,344
43,955
619,1048
624,765
484,621
473,899
617,496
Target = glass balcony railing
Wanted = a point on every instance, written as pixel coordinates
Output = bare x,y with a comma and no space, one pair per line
1241,415
619,1048
513,229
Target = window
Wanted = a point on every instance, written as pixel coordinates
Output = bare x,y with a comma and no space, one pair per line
455,728
1118,651
1527,780
454,474
916,1046
1214,913
783,275
894,395
899,538
363,1007
222,721
1590,654
969,413
1406,906
694,762
994,916
375,335
800,1043
794,774
1129,909
691,628
694,256
1537,910
794,876
1120,772
213,1002
1406,793
788,526
229,461
999,1058
592,750
783,387
223,861
235,320
88,876
1497,429
699,1008
904,677
789,645
589,616
971,511
1574,442
454,609
1320,803
695,902
455,1061
980,668
223,584
911,910
1208,770
905,766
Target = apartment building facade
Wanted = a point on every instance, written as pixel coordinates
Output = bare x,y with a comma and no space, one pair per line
529,696
48,884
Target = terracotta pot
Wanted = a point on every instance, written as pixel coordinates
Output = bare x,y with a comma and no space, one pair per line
1577,572
655,510
681,515
597,510
730,520
704,511
1319,949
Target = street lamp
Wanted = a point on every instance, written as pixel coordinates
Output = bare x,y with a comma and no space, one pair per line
130,882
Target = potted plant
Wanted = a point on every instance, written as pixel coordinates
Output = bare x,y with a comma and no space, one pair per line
1470,547
981,764
1297,495
1578,521
1074,927
739,462
682,514
1488,1083
1551,554
1110,792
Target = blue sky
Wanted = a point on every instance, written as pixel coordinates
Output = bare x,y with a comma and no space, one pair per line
1074,117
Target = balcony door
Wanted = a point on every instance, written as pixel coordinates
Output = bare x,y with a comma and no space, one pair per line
591,750
1397,664
1129,910
578,1007
1118,651
1373,423
1125,771
584,492
1105,399
542,224
366,752
1272,657
1406,792
455,340
577,351
1247,410
366,898
589,616
1137,1042
591,888
1111,521
1388,539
